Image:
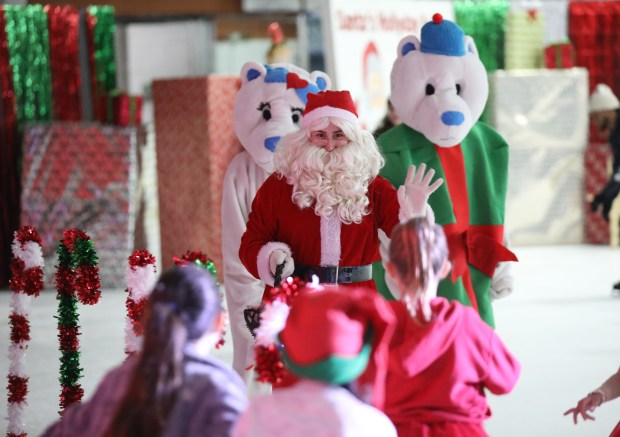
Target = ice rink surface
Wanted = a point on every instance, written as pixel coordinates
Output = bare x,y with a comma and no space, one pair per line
561,322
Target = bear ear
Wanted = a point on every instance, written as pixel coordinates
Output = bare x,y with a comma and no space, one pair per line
408,44
321,79
251,70
470,46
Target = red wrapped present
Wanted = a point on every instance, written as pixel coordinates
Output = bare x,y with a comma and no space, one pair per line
597,158
119,108
195,143
560,55
126,109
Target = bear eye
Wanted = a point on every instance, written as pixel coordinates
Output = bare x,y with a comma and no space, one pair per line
265,108
296,114
458,89
430,90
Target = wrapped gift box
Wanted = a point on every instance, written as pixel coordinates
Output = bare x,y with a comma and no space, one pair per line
561,55
195,142
597,164
543,116
81,175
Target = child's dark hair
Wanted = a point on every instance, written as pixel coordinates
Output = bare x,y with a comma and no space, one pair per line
418,250
183,305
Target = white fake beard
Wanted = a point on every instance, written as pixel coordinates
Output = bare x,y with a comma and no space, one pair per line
335,182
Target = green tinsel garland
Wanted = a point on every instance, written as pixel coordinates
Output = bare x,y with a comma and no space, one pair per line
103,38
28,42
77,278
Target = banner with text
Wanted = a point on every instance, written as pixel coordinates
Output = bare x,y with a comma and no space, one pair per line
361,39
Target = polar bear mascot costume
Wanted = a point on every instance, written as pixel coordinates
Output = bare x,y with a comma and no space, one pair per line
439,89
269,105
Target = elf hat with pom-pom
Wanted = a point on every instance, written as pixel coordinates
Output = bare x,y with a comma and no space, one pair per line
329,104
442,37
603,99
336,336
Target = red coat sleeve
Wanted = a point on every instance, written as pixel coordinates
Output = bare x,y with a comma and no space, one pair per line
262,223
386,205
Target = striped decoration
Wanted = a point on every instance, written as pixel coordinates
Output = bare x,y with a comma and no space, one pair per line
26,282
141,276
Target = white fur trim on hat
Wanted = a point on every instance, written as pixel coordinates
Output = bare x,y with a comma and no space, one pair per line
603,99
262,260
328,111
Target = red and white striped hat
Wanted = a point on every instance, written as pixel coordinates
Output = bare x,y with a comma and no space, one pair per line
329,104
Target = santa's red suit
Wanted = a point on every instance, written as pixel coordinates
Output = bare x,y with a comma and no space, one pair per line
277,223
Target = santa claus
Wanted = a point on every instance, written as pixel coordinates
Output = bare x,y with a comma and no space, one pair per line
320,211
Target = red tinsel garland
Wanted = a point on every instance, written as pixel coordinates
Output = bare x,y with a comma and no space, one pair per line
71,394
269,365
18,388
87,283
68,338
64,62
140,258
197,257
135,310
20,328
138,287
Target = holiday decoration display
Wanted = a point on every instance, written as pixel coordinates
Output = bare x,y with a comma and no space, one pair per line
197,114
269,367
202,260
65,62
77,279
28,43
26,282
560,55
101,28
485,22
9,151
141,276
593,29
82,176
439,89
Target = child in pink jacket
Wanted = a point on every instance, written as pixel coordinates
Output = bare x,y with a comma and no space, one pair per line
443,357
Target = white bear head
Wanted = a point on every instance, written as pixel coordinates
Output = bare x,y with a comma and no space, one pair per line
270,104
439,85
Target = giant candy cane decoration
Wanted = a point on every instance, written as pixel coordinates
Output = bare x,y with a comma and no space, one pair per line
76,273
141,276
26,282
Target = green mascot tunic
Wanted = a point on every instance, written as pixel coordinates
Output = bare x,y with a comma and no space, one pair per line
469,205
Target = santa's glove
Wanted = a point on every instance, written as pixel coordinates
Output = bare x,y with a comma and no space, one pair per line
281,265
605,197
413,194
502,283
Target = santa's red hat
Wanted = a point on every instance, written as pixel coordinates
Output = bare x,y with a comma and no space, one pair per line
340,336
329,104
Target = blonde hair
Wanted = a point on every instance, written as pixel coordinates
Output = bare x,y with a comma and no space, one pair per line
418,252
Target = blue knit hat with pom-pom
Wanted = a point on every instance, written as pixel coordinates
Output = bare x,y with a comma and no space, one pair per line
442,37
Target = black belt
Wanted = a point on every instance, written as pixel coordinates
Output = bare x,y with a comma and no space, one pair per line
334,274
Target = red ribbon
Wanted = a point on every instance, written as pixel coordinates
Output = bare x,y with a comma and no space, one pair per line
476,245
479,246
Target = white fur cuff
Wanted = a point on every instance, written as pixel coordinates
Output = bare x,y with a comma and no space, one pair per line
262,260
